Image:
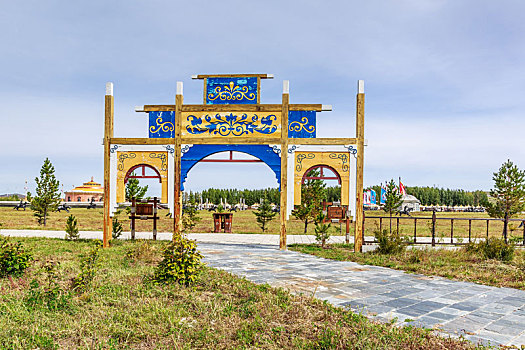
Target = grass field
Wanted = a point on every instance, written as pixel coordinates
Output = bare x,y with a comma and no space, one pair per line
453,264
92,220
244,222
122,310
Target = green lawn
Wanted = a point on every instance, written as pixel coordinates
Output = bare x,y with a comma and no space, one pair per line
123,311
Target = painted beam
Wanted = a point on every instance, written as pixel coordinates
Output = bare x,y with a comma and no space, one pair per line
323,141
234,108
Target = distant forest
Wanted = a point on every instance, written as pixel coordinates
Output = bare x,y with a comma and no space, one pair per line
427,195
233,196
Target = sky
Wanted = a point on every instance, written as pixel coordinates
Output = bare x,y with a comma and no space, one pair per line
444,80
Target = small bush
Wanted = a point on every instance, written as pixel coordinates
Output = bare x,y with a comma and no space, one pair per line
52,296
181,262
321,230
389,243
72,228
492,248
117,229
88,268
14,259
496,248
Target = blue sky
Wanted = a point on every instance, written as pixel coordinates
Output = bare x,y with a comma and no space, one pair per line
444,80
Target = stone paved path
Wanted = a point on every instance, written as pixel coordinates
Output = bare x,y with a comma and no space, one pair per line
479,313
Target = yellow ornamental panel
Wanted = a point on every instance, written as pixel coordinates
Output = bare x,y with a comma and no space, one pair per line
338,161
231,124
126,161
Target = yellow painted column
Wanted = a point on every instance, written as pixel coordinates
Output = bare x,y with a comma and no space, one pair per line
108,134
360,135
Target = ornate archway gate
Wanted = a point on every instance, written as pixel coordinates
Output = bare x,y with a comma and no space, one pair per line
232,118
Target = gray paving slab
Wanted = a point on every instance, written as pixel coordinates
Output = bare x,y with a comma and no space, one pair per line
451,307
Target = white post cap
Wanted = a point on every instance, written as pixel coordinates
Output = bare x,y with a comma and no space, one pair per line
179,88
286,86
360,86
139,108
109,89
194,76
326,107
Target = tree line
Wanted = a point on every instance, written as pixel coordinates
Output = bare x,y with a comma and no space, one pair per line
232,196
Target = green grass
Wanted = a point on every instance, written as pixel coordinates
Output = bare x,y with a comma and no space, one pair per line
221,311
453,264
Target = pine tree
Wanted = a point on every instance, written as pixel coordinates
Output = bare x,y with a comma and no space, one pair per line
47,197
508,193
133,189
312,195
393,199
264,214
190,217
321,229
71,228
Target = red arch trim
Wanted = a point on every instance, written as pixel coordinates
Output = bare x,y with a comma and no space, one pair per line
322,175
143,173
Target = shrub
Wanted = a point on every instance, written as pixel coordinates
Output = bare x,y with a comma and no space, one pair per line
88,268
389,243
14,259
181,262
117,228
321,230
492,248
52,296
496,248
72,228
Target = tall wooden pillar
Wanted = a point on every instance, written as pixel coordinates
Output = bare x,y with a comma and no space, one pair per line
108,134
360,135
284,161
177,212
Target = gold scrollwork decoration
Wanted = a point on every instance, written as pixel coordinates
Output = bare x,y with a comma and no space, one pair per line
122,157
163,158
343,157
231,92
165,127
297,126
300,157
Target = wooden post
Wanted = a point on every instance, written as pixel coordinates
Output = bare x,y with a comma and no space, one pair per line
433,228
284,162
177,197
155,218
360,135
133,215
487,229
108,134
415,230
523,224
451,231
469,230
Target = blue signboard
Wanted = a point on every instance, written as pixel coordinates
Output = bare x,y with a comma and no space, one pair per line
161,124
231,90
301,124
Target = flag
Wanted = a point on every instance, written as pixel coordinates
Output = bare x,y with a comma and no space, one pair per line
366,198
373,197
402,189
382,200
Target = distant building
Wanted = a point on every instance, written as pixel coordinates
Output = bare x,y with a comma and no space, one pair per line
410,202
85,193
